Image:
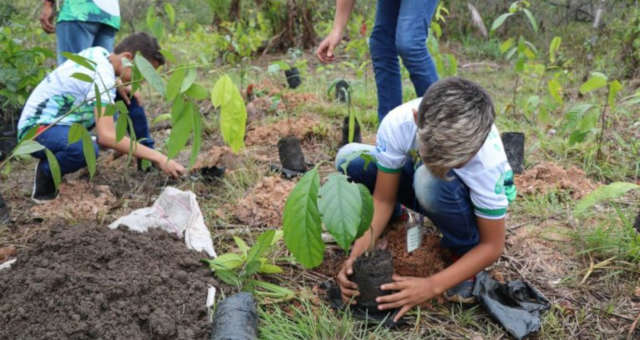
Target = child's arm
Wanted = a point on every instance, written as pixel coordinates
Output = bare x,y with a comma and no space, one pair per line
415,290
384,200
107,137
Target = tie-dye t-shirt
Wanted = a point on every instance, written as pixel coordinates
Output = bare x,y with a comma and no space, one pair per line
59,92
103,11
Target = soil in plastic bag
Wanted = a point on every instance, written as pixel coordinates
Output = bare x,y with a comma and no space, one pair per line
88,282
235,318
290,152
293,77
369,273
514,148
357,136
342,90
515,305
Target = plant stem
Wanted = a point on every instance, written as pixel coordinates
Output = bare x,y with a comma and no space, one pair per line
603,123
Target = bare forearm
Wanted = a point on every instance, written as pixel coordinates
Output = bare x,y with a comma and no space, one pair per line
382,214
140,151
343,10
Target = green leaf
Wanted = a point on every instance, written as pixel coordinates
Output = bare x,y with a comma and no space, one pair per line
596,80
89,153
252,267
367,210
578,136
273,291
261,246
196,143
499,21
98,100
267,268
149,73
340,205
171,13
228,261
180,131
555,90
301,221
532,20
228,277
80,60
161,118
82,77
110,110
173,86
188,80
197,92
233,113
27,147
75,133
176,109
242,245
554,46
352,126
31,132
602,193
614,88
121,126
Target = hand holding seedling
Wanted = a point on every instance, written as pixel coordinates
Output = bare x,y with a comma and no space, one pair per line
411,291
348,289
172,168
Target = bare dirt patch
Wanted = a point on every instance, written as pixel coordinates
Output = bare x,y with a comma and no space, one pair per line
300,127
425,261
263,205
85,282
78,200
217,156
548,176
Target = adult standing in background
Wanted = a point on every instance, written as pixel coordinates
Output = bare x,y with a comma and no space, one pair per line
89,23
81,24
401,29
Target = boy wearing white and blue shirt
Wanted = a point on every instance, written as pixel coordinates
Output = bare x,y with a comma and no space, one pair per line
441,156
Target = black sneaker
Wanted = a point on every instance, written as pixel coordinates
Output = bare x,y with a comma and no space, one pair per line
462,292
43,187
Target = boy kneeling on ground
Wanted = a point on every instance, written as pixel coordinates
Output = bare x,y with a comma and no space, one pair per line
58,93
440,156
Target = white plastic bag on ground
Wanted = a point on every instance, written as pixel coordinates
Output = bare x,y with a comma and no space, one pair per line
177,212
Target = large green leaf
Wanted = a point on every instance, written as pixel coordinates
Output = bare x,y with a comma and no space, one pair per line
196,143
532,20
80,60
173,85
261,246
82,77
614,88
341,206
54,166
27,147
596,80
180,131
89,153
121,126
499,21
149,73
301,221
188,80
75,133
605,192
233,113
555,89
554,46
367,210
197,92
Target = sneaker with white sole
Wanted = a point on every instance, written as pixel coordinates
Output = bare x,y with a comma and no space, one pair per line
43,187
462,292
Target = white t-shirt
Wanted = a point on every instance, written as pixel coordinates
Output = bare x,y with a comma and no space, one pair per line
487,175
58,93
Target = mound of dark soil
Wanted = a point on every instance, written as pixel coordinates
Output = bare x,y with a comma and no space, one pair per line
85,282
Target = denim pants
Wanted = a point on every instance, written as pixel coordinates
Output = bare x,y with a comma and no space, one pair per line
446,203
75,36
401,29
140,123
70,156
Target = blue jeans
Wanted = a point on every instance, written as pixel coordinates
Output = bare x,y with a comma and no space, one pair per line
75,36
70,156
140,123
401,29
446,203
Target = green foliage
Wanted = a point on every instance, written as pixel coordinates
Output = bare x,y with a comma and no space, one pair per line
233,113
240,268
446,63
603,193
345,209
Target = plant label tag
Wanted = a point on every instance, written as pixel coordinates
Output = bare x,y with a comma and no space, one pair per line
414,238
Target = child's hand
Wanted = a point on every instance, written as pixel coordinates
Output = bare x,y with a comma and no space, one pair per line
411,291
348,288
172,168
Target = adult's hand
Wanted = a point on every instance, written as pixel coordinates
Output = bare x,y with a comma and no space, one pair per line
348,289
47,18
327,46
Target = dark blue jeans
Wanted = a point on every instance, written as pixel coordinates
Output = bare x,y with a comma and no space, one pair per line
140,123
69,156
75,36
401,29
446,203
